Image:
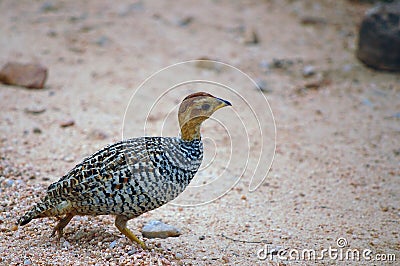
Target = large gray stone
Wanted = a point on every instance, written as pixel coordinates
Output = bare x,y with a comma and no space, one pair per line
379,37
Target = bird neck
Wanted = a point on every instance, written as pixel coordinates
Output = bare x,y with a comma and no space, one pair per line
191,130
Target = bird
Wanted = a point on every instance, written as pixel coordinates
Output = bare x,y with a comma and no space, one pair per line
133,176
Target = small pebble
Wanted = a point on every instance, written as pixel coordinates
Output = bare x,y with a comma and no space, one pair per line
67,123
27,262
281,63
178,256
35,110
132,251
113,244
202,237
250,36
308,20
308,71
158,229
36,130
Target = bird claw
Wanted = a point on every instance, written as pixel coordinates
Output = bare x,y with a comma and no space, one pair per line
59,233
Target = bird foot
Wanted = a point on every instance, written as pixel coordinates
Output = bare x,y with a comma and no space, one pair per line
59,232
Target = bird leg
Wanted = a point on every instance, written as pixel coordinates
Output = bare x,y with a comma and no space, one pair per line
61,224
120,223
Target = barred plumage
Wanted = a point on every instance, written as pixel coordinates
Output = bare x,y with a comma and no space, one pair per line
131,177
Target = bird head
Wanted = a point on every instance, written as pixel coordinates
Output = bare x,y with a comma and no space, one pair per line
194,110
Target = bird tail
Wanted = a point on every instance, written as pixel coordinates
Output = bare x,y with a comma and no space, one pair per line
36,212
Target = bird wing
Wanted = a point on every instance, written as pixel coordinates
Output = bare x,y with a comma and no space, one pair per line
98,170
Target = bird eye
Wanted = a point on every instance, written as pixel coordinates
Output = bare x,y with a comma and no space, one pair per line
205,106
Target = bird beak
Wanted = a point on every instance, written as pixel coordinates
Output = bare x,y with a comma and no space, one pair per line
222,103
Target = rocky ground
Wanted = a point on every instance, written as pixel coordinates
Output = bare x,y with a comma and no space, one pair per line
335,172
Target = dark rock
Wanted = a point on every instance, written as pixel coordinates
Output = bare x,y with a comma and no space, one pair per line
31,76
37,130
157,229
379,37
67,123
281,63
250,36
308,20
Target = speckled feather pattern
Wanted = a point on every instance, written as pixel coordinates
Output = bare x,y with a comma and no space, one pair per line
126,178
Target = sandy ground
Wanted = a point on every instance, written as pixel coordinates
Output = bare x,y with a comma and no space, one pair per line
335,174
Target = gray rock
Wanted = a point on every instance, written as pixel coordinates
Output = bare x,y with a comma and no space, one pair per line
158,229
35,109
308,71
113,244
132,251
